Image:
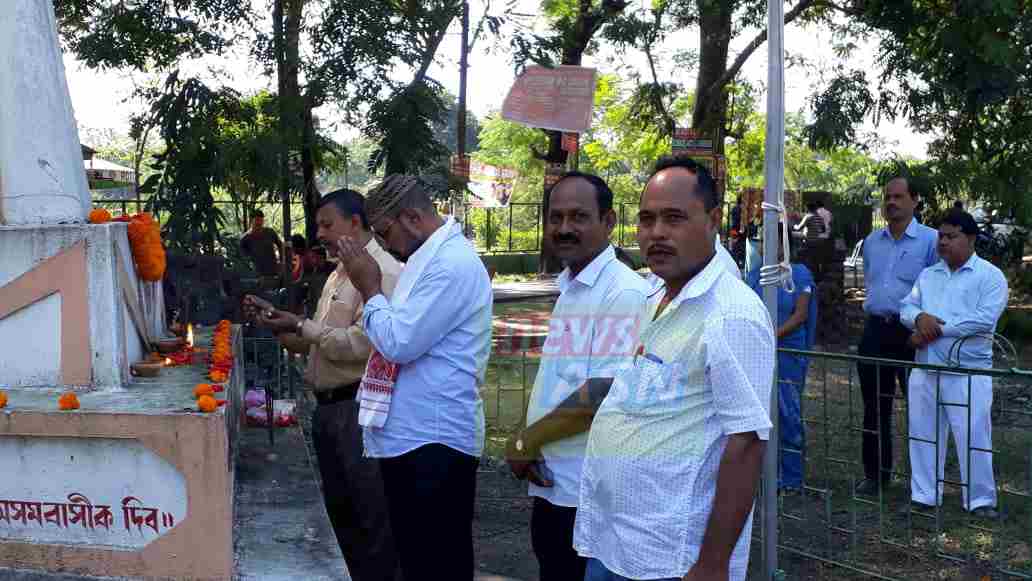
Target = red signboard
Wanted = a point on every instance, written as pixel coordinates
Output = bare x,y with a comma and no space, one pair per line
571,141
691,142
559,98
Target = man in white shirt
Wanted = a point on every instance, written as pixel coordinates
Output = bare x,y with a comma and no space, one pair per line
675,451
420,397
592,332
825,215
960,298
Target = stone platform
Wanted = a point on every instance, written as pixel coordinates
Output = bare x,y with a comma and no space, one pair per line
136,483
170,493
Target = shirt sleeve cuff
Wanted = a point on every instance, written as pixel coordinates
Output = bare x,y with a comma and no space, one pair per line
761,426
311,330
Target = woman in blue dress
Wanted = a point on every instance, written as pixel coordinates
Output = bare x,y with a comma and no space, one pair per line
796,329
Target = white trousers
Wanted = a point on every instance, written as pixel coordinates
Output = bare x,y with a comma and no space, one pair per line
928,460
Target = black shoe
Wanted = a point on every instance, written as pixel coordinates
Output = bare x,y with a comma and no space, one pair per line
916,507
869,487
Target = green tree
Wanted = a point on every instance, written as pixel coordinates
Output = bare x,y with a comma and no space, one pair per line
959,70
849,174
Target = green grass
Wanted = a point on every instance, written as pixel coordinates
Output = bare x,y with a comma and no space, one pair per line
868,535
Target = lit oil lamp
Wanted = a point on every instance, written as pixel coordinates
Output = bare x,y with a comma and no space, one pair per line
168,362
189,336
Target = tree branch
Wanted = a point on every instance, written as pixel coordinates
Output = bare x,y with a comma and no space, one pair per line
750,48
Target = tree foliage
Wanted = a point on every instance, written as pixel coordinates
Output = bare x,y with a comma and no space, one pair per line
960,70
148,33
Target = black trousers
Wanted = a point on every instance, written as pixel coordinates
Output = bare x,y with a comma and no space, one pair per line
430,496
551,534
353,490
887,340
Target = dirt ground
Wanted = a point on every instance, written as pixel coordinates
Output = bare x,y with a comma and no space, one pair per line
828,522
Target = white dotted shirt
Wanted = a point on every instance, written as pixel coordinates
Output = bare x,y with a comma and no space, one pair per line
704,372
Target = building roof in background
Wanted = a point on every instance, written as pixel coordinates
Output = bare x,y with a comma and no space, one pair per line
104,165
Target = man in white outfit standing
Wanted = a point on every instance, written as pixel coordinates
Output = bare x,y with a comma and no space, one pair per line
960,298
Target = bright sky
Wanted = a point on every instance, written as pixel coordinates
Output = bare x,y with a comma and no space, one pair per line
99,97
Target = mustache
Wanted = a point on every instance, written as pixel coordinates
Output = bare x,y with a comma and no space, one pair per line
658,248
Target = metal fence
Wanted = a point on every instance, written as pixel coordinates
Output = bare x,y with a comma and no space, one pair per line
827,531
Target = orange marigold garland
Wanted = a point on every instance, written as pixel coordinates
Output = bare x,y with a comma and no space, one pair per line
148,252
207,404
100,216
68,401
221,353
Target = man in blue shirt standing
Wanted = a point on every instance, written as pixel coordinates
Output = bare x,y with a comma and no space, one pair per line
894,256
420,397
953,310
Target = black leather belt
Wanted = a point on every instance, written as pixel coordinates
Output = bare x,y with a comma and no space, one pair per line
338,394
887,319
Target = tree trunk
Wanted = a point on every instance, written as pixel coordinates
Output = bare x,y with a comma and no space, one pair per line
312,195
710,113
279,41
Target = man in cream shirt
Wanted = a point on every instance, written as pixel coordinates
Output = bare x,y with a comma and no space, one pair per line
338,348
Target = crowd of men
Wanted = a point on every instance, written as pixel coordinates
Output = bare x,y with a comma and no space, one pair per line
648,419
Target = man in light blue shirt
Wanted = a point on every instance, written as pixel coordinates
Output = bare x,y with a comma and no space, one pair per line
893,258
953,310
592,333
420,400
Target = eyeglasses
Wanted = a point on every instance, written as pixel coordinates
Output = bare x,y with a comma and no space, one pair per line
381,236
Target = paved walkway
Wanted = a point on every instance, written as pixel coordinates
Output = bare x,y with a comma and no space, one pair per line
523,291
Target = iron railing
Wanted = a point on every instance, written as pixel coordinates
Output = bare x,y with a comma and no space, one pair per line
827,531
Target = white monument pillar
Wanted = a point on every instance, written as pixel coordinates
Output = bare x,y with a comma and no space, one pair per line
42,180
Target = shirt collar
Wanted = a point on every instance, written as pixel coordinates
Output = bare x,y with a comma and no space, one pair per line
971,264
699,285
910,232
588,276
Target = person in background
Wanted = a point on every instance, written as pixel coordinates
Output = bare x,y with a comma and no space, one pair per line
961,297
736,215
592,332
894,256
298,256
431,340
264,247
338,349
674,452
825,215
812,225
796,329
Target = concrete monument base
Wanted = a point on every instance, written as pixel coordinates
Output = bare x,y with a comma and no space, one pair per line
136,483
72,311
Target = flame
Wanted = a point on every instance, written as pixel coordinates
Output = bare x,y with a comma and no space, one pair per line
189,335
168,361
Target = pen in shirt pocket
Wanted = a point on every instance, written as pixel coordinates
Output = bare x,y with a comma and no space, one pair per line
642,353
